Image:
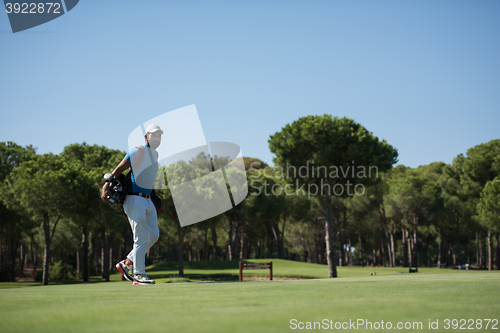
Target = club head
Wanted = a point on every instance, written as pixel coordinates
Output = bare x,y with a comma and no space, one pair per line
108,177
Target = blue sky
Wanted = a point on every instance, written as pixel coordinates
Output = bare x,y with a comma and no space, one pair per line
423,75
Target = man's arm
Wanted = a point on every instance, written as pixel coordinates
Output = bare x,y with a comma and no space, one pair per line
124,165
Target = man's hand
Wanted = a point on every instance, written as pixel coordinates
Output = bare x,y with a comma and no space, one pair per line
124,165
105,193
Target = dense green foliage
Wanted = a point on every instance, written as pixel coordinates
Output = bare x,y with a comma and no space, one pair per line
434,215
327,141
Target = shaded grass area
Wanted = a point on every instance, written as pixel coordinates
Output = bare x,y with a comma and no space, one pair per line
206,271
263,306
228,270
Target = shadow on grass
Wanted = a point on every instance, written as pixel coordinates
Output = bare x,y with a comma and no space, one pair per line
228,271
8,285
205,265
217,271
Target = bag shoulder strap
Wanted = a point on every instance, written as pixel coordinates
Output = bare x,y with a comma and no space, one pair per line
139,157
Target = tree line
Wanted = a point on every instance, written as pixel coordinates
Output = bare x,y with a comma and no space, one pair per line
332,197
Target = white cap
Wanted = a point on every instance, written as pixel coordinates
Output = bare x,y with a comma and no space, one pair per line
153,128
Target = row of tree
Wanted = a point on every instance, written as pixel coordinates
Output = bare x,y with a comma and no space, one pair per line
332,198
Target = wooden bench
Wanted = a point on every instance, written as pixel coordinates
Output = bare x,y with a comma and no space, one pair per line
252,265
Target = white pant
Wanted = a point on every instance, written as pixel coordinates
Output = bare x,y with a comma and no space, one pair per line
141,215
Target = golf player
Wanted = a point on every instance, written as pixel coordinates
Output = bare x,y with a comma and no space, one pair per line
141,213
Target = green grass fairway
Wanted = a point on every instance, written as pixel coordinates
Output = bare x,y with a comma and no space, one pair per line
254,306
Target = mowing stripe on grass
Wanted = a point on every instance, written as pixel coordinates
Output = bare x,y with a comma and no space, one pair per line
264,306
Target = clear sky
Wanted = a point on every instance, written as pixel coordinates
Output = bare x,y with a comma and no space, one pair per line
423,75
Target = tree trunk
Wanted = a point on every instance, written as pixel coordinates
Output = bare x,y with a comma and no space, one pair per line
94,250
13,254
111,245
490,251
85,254
30,252
234,246
322,251
453,256
104,255
78,263
341,253
350,251
103,251
276,234
440,248
361,250
450,253
316,249
214,240
230,236
205,245
259,248
415,248
382,253
35,256
386,228
181,233
304,248
25,264
469,257
282,246
393,248
232,243
456,248
478,251
410,248
342,237
198,251
483,251
404,233
330,247
65,265
497,251
169,250
22,259
46,252
243,248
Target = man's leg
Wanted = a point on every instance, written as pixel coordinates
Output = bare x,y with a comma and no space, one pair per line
139,252
135,207
140,233
152,225
125,267
152,231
